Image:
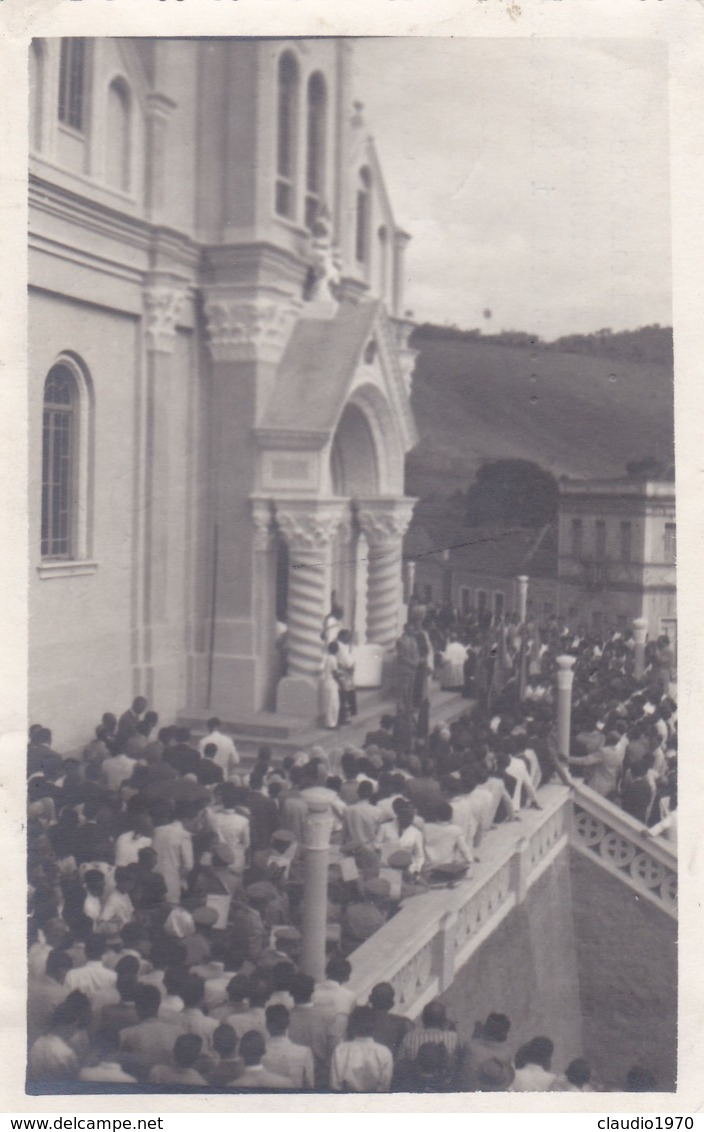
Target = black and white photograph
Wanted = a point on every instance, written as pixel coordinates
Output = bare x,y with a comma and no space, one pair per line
352,757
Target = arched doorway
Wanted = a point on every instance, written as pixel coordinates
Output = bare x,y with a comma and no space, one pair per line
354,474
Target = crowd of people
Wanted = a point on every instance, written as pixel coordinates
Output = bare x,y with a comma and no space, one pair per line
166,880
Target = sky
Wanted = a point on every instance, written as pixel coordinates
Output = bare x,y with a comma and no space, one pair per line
532,175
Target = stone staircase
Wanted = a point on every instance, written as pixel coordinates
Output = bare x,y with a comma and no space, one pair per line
288,734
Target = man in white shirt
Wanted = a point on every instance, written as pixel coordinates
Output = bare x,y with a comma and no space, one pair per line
361,819
337,1001
443,841
282,1055
93,978
227,756
361,1065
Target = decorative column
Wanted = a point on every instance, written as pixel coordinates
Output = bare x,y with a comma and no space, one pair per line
640,632
565,678
164,298
309,528
316,844
384,523
246,330
522,580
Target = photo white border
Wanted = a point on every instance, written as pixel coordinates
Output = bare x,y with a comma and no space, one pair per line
680,24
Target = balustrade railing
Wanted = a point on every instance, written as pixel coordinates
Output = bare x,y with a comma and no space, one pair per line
605,834
420,950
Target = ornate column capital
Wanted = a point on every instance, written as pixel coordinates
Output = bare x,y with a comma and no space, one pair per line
310,525
385,521
246,325
163,303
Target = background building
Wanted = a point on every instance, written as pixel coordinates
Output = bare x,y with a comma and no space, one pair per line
219,374
617,547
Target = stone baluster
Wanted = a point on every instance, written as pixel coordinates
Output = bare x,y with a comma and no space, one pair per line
565,677
316,842
522,580
384,525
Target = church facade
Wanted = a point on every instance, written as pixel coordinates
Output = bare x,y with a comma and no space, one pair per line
219,385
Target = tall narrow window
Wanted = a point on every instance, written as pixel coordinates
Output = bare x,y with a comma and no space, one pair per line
58,463
670,542
287,131
626,539
315,147
36,92
363,216
383,237
118,135
577,534
72,81
600,538
498,604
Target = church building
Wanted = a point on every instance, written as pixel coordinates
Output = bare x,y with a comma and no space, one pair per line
219,376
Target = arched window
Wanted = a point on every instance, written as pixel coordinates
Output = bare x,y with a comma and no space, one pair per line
72,82
119,128
58,462
287,134
65,460
363,216
36,91
315,146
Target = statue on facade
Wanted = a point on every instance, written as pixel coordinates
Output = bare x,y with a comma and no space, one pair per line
325,270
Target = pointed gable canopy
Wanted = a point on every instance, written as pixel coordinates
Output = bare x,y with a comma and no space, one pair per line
319,372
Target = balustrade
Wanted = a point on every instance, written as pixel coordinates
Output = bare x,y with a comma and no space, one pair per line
421,949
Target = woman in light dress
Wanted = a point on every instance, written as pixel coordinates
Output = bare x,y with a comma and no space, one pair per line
330,687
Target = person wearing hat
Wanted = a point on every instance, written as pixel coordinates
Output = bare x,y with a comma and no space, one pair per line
362,918
285,946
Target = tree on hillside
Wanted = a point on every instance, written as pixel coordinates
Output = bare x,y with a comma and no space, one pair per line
515,490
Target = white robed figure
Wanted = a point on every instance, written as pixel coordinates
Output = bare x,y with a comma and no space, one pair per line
329,687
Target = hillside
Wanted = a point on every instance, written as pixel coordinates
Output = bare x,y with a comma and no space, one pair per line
573,414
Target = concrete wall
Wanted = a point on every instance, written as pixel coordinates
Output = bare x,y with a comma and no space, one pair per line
587,963
79,640
527,969
627,959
